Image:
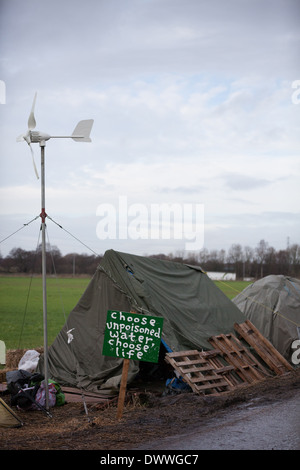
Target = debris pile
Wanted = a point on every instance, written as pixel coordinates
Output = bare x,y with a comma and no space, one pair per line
231,364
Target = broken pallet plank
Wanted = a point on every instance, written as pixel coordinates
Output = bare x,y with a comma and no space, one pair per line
266,351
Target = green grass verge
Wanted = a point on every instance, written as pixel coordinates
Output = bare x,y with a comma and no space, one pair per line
21,307
232,288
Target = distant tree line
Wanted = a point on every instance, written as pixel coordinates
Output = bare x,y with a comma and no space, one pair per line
26,262
246,262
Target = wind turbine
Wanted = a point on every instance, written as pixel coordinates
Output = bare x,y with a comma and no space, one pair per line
81,133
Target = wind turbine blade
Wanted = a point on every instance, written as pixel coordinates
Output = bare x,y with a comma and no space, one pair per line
34,166
82,131
31,119
21,138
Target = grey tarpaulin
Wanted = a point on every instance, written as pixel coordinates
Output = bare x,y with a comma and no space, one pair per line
192,306
272,304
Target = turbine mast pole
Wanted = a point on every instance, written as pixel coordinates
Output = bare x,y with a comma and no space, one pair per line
43,216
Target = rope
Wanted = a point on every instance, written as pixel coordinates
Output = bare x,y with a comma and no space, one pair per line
60,226
21,228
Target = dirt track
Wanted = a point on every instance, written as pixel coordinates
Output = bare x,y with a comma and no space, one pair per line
146,417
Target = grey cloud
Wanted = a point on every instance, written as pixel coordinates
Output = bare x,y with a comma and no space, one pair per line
120,48
94,40
243,182
264,218
181,189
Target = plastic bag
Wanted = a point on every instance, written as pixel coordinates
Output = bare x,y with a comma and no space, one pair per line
40,396
29,361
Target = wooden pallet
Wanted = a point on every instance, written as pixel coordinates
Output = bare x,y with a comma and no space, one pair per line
247,367
266,351
197,369
214,357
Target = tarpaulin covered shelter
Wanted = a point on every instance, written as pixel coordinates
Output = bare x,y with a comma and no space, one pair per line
192,306
272,304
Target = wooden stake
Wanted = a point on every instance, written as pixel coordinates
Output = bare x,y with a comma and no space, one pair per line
123,386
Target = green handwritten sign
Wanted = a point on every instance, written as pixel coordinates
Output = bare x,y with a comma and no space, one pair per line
132,336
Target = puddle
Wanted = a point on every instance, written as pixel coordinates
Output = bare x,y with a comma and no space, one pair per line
259,424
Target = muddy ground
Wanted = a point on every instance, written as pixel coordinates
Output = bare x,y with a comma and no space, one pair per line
147,416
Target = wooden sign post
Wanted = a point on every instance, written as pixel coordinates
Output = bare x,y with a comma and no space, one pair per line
131,336
123,386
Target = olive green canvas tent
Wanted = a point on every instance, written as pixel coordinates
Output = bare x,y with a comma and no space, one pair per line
192,307
272,304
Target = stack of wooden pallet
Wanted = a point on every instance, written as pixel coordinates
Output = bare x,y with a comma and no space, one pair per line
266,351
230,364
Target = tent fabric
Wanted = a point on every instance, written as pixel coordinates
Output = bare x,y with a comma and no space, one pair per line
272,304
192,306
8,419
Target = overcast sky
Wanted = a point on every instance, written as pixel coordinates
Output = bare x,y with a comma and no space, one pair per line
193,105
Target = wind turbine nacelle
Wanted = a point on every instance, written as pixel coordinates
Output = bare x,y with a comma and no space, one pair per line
81,133
36,136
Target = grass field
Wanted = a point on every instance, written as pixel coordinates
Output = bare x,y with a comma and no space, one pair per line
231,288
21,307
